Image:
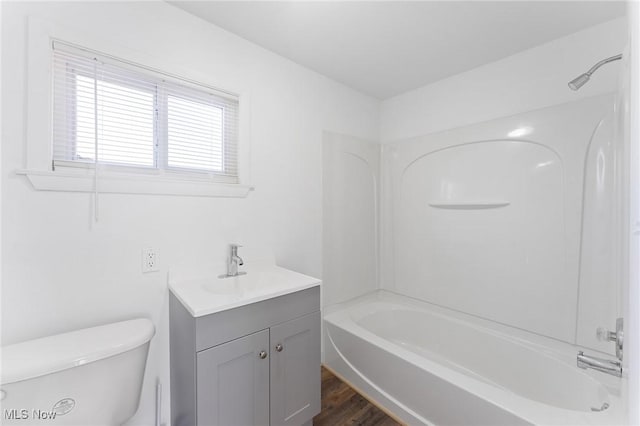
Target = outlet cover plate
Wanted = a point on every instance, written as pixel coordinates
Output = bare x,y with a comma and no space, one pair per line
150,261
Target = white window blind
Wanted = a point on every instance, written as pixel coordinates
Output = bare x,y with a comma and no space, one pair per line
113,112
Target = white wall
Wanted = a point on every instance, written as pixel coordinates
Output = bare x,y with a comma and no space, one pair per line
62,271
534,78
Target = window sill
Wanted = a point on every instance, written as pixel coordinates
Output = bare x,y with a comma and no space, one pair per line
131,184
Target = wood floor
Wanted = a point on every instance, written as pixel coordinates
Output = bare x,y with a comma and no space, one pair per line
341,405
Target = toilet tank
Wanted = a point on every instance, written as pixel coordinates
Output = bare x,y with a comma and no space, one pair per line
85,377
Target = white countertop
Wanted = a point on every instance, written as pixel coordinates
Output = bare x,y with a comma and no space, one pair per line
263,280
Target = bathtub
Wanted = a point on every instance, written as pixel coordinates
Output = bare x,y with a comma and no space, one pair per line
429,365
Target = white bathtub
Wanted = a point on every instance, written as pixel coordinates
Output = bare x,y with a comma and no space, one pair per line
429,365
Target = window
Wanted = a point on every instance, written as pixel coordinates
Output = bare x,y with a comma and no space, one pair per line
132,118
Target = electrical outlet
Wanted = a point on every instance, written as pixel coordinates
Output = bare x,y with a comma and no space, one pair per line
150,260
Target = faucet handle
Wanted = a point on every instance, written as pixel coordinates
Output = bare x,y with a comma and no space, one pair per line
617,336
235,245
605,335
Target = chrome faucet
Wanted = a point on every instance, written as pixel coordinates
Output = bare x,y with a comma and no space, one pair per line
613,367
234,261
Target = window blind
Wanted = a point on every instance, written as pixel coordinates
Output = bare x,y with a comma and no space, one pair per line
114,112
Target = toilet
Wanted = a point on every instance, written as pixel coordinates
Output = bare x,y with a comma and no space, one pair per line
85,377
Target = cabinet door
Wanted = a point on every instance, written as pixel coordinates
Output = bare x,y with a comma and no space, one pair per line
233,382
295,370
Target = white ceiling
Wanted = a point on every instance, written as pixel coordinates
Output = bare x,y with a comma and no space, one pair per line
387,48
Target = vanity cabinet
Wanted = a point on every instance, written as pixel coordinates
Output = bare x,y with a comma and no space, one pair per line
257,364
233,382
295,370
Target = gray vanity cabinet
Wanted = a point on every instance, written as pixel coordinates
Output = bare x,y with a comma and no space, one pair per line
295,361
257,364
233,382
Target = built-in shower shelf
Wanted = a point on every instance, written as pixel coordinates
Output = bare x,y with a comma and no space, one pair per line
469,205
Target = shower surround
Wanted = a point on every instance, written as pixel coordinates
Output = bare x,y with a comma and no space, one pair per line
512,225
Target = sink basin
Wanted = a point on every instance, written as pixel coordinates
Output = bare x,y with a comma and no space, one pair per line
228,286
246,284
261,281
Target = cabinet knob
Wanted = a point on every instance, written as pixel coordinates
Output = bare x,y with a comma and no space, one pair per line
262,354
279,347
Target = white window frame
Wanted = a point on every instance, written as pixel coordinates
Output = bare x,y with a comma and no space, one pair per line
113,179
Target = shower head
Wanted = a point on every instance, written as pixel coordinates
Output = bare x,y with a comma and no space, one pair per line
579,81
582,79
